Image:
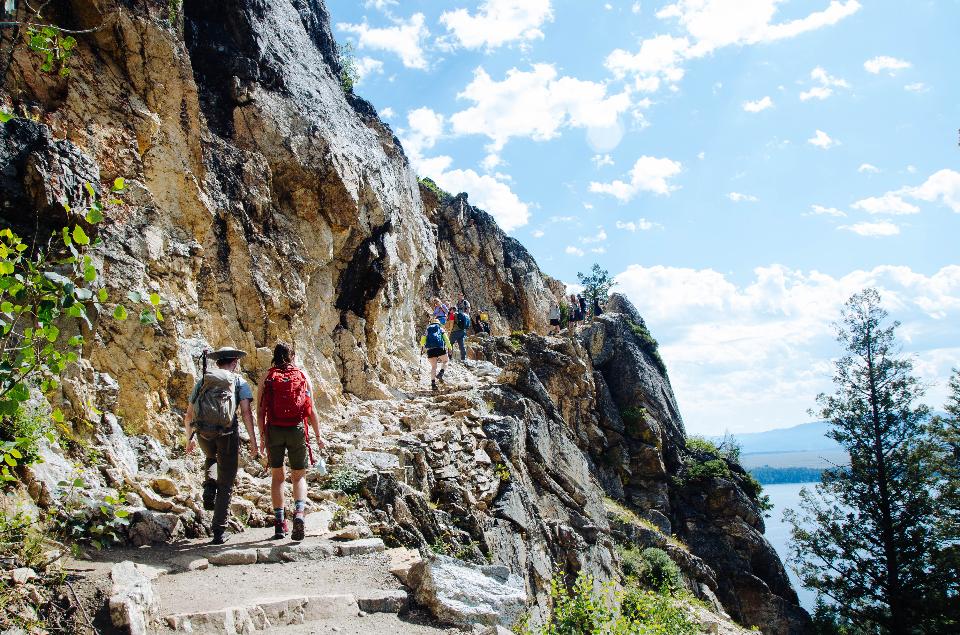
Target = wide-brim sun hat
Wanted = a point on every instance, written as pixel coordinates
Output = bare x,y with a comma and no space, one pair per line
226,352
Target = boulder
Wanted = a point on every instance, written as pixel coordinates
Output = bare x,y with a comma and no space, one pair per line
165,486
466,594
384,601
149,527
132,602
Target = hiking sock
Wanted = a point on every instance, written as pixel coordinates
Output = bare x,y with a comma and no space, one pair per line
279,524
298,508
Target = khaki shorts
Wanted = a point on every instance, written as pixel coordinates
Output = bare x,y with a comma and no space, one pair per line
283,440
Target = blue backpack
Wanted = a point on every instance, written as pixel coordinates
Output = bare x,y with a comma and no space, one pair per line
463,321
435,336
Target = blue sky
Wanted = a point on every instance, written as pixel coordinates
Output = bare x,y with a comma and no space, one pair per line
742,166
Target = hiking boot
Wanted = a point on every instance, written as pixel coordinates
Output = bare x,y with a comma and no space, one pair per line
440,375
279,529
298,529
209,496
219,539
433,384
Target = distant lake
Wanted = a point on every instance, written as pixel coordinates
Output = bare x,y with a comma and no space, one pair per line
786,496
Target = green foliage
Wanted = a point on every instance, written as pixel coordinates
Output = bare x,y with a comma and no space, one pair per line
502,472
648,344
596,284
651,567
345,479
883,505
349,75
22,540
83,519
54,48
565,312
582,610
173,10
20,436
431,185
707,460
702,444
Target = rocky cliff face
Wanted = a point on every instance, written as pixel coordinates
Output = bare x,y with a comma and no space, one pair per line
264,203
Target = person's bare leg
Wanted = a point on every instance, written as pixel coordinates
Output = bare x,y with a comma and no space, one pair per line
276,487
433,368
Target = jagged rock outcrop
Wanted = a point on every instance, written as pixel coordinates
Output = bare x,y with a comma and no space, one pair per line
493,270
265,203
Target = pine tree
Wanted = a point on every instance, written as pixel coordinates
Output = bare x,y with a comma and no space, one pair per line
946,435
864,538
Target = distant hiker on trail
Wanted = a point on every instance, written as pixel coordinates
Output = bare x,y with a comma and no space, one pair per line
212,417
463,305
582,304
597,310
576,315
461,323
440,311
436,342
286,402
451,316
554,318
481,322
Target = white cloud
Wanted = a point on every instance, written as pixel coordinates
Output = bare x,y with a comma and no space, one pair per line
710,25
491,162
916,87
425,127
820,210
537,104
882,63
403,39
574,251
601,160
642,225
889,203
942,187
608,6
759,105
825,85
701,155
868,168
366,66
498,22
388,113
489,194
636,8
537,233
599,250
881,228
380,5
737,197
822,140
754,356
649,174
599,237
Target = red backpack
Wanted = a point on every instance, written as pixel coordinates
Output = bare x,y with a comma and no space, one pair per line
288,402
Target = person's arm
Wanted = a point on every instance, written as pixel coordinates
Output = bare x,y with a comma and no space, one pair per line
423,341
446,339
247,414
262,413
190,442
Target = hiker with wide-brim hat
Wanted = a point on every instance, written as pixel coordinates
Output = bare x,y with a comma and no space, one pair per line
211,422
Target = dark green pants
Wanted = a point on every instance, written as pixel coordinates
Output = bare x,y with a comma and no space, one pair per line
222,458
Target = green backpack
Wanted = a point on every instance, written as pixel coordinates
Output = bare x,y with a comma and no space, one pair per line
216,402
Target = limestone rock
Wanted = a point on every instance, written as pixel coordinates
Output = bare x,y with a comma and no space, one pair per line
132,602
149,527
466,594
22,575
165,486
384,601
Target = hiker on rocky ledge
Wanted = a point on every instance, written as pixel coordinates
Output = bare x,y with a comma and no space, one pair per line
436,342
461,322
211,422
554,318
286,403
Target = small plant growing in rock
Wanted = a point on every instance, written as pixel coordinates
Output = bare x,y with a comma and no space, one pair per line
83,519
502,472
349,75
345,479
339,518
440,547
431,185
653,568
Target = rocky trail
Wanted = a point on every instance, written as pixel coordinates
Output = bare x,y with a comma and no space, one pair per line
340,579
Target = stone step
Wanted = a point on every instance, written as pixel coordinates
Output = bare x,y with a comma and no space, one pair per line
299,552
267,614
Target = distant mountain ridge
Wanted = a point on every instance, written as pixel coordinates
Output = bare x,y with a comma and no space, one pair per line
806,437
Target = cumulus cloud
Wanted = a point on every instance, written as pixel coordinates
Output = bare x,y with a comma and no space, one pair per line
498,22
881,228
366,66
889,203
825,83
642,225
737,197
489,194
599,237
916,87
710,25
424,128
941,187
649,174
574,251
820,210
388,113
883,63
868,169
537,104
404,39
822,140
759,105
601,160
755,355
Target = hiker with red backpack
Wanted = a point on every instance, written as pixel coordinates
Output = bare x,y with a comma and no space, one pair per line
211,422
436,342
286,403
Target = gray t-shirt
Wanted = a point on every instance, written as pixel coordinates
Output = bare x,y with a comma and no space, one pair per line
243,391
